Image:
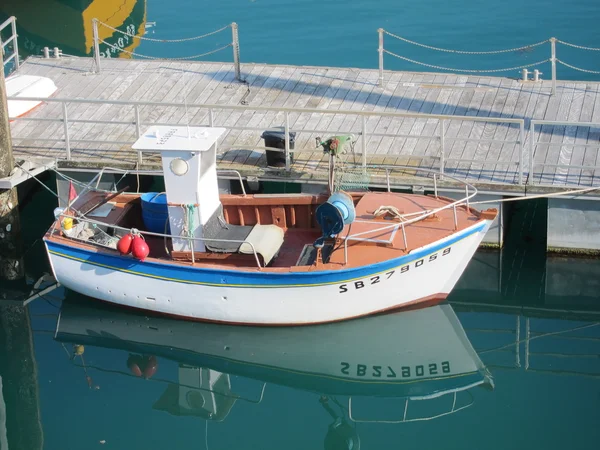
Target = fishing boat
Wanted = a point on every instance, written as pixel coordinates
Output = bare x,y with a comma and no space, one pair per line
276,259
431,361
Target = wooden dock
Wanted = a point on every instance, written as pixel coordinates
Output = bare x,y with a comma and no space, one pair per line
100,134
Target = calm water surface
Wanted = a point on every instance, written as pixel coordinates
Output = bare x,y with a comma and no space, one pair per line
341,33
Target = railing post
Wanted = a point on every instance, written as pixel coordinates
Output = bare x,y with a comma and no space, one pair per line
527,339
387,179
66,131
15,44
287,141
531,151
236,50
364,142
442,147
138,128
553,61
211,118
522,149
96,44
380,31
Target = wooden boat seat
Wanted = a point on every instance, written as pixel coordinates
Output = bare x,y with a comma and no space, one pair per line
266,240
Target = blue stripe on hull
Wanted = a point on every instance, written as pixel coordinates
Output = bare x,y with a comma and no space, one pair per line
241,279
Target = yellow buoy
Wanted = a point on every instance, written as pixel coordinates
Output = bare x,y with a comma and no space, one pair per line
78,349
67,223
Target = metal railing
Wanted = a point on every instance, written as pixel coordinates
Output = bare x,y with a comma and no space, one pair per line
190,239
407,219
112,170
98,55
12,21
523,68
364,133
533,144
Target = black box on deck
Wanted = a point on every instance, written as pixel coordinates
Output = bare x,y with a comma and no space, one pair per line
276,139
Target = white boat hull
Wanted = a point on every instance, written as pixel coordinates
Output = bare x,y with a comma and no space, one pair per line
426,275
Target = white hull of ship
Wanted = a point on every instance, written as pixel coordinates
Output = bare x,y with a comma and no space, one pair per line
428,279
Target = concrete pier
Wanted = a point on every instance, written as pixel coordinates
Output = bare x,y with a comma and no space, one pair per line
574,226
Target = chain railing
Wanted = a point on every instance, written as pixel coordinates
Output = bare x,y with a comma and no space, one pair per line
552,60
12,21
235,44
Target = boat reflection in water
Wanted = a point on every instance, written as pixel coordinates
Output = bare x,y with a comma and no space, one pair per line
415,356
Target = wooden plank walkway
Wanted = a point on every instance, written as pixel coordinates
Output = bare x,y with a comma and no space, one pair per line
410,141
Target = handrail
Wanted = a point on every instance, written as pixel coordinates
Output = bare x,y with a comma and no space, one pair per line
269,108
239,177
424,215
363,134
533,144
151,233
12,21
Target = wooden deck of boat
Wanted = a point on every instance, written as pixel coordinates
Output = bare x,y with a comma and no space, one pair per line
326,88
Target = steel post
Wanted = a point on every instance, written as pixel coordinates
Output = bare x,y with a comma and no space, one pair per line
531,151
138,125
364,142
66,130
442,147
380,31
553,61
96,39
522,149
236,50
13,25
287,141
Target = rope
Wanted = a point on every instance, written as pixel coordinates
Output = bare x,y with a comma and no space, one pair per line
577,68
165,40
154,57
581,47
188,220
388,210
463,52
36,179
532,197
509,69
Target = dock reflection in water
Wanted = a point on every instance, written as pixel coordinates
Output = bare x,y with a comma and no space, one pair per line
422,359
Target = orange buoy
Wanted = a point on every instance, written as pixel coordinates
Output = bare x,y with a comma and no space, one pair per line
151,367
139,248
133,363
124,244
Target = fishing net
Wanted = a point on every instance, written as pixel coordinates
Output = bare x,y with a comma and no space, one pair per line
347,176
351,178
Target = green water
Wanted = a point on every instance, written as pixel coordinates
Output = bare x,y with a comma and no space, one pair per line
512,361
